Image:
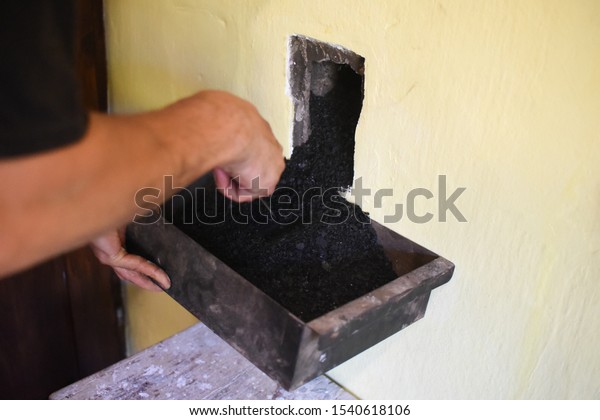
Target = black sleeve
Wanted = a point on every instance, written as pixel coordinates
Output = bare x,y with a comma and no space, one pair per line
40,103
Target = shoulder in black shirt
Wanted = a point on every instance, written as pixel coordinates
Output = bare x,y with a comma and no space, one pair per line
40,102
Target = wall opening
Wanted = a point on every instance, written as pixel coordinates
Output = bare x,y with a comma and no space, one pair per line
305,246
327,88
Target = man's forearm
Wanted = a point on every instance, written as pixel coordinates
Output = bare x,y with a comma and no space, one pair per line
56,201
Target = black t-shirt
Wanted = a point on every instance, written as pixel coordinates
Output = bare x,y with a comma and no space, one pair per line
40,103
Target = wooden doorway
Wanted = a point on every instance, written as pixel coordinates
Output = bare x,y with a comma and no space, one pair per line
63,320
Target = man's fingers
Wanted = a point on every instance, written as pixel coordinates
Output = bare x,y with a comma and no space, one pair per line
144,268
133,268
225,185
222,179
245,188
137,279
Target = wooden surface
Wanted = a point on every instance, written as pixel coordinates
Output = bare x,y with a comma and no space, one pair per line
97,312
37,343
91,53
194,364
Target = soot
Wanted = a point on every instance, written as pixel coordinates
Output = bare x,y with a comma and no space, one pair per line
305,246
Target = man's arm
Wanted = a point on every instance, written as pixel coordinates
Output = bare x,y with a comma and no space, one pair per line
59,200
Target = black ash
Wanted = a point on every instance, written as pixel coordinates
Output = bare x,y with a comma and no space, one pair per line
305,246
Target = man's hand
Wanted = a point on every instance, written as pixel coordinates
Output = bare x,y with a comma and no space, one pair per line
133,268
92,182
217,131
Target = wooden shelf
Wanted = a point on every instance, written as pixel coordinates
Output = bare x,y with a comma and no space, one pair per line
194,364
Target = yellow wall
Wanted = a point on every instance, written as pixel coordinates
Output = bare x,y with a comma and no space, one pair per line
503,97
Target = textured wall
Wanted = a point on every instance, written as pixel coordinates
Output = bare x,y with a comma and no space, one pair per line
502,97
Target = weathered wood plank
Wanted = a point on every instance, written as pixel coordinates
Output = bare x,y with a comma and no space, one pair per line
194,364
